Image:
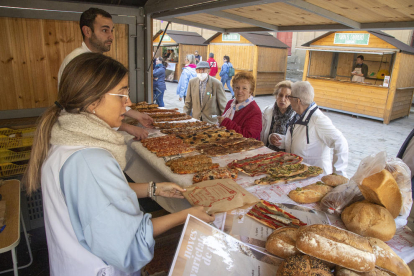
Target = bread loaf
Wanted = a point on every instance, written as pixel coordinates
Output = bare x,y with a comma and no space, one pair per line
337,246
303,265
341,271
282,242
311,193
369,220
387,259
381,188
334,179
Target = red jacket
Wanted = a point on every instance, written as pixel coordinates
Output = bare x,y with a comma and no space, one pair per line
247,121
213,67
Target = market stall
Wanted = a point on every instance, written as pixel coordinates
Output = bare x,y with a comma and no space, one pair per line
387,91
182,43
259,53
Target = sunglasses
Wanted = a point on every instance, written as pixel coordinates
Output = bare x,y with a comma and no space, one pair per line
121,95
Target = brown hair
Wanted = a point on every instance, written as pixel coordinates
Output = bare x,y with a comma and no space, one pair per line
88,18
243,75
282,84
85,80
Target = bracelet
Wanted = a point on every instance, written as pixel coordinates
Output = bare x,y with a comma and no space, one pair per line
152,188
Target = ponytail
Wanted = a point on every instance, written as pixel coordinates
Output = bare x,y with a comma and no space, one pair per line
40,149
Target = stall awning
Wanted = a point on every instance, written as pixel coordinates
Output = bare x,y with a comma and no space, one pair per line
375,51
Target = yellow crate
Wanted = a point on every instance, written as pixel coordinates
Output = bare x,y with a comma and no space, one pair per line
9,169
22,132
7,156
10,143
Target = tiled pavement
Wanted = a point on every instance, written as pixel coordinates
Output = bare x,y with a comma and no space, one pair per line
365,136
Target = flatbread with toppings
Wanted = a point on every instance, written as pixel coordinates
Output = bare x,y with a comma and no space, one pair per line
287,170
218,173
273,216
268,180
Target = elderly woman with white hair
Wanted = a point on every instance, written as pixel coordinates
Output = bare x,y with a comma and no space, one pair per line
311,134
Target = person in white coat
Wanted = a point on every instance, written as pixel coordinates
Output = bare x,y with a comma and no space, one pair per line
276,117
311,134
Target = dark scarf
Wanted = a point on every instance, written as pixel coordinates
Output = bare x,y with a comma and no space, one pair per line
279,123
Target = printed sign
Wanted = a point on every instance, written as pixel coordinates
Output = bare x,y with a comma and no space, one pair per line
231,37
166,38
351,38
204,251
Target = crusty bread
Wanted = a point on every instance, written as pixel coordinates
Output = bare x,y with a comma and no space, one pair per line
303,265
337,246
369,220
334,179
311,193
341,271
282,242
387,259
381,188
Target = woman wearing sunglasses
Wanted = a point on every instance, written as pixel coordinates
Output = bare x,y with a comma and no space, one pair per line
94,225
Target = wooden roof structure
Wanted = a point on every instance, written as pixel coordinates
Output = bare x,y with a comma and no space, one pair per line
259,39
285,15
181,37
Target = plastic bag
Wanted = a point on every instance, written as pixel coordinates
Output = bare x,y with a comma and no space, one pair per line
340,197
402,175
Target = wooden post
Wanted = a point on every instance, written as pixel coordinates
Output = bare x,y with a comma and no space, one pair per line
305,69
255,65
392,89
286,60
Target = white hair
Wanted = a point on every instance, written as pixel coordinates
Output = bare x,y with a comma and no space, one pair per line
304,91
190,58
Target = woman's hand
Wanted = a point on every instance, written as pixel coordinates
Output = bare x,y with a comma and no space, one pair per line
199,212
275,140
180,99
145,120
168,189
220,119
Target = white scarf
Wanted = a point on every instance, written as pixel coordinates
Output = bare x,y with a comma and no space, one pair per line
86,129
236,107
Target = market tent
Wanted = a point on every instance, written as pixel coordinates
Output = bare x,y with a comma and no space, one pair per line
386,92
259,53
186,43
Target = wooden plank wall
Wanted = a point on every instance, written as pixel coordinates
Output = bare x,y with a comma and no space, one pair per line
345,64
403,98
184,50
31,53
374,42
321,63
242,57
356,98
271,69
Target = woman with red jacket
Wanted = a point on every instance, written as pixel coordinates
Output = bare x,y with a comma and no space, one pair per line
242,113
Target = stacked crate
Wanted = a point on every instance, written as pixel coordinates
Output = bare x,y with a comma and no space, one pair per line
15,148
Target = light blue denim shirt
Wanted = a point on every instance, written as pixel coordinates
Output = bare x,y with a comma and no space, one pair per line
104,210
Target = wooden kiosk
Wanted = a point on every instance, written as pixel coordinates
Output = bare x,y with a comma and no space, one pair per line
185,43
330,59
259,53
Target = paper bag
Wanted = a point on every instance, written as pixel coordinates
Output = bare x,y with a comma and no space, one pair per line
220,195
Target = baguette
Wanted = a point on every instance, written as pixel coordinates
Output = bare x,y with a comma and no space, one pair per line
337,246
387,259
369,220
282,242
341,271
381,188
311,193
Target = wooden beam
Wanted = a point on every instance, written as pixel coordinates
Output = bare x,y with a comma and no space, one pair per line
388,25
195,24
324,13
305,70
243,19
392,89
153,6
182,7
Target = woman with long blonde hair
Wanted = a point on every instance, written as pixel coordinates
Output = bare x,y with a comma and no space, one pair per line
94,225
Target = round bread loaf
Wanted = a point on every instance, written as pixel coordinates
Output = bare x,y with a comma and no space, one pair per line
334,180
387,259
282,242
311,193
336,246
303,265
369,220
341,271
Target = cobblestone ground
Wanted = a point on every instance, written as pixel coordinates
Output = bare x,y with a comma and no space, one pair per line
365,136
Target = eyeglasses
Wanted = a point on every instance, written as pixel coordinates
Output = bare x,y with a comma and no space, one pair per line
290,97
121,95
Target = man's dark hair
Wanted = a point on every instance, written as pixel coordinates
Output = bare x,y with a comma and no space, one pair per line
227,58
361,57
88,17
211,55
